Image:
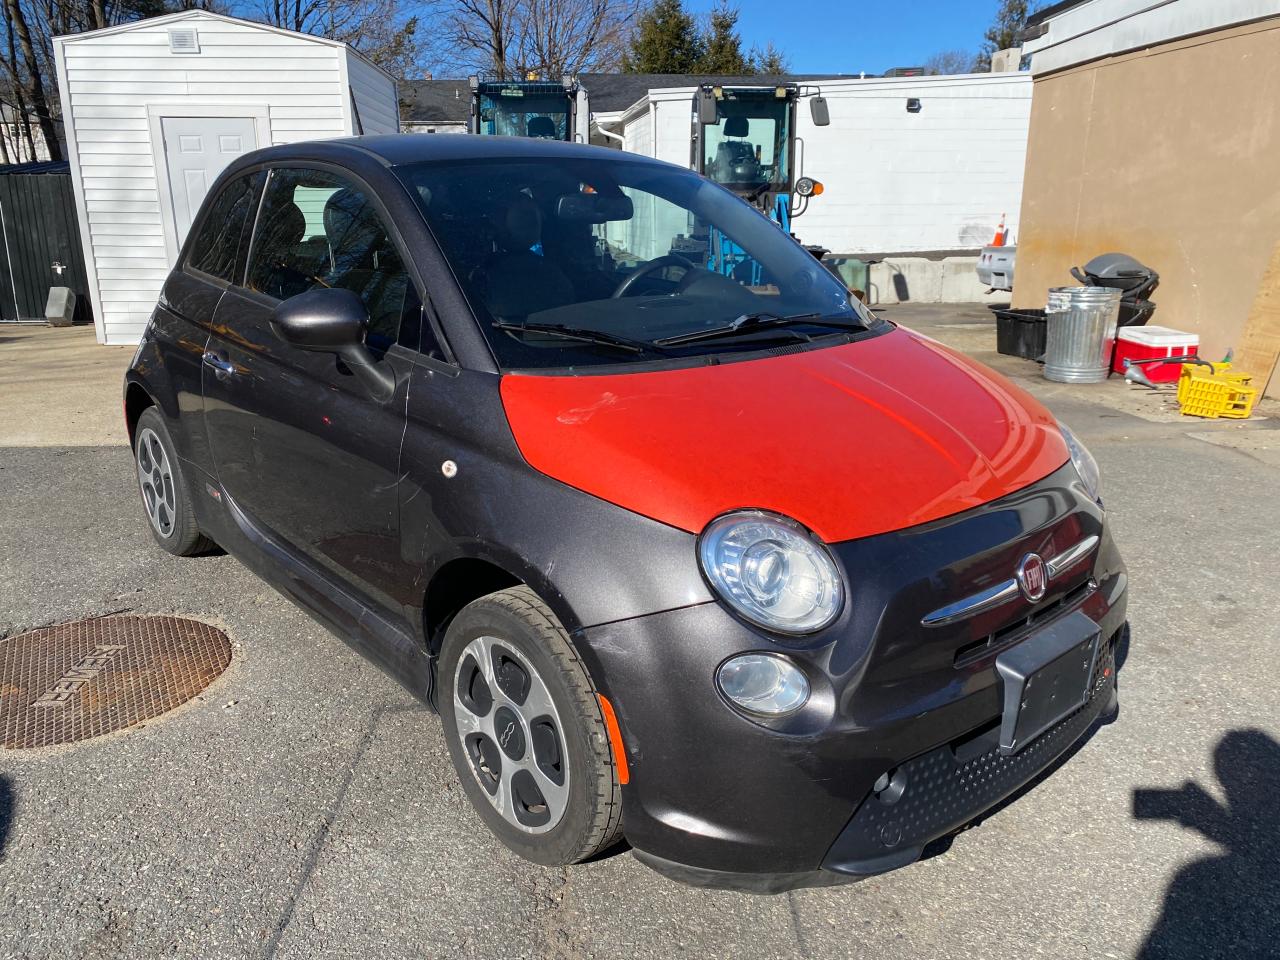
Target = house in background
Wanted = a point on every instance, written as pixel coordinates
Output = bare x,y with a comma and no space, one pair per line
14,146
435,106
154,110
1154,133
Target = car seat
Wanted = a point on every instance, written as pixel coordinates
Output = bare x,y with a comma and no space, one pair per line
285,276
544,128
516,281
364,260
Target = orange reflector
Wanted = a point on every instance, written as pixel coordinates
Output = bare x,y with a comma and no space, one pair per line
615,738
818,188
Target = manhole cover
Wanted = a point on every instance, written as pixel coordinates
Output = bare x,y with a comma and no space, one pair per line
82,679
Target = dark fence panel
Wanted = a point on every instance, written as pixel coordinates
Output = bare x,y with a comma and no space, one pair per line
38,231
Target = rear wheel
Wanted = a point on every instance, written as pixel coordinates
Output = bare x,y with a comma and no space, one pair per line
525,730
165,496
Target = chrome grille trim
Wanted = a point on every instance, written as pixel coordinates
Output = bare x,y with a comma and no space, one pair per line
1071,556
1002,593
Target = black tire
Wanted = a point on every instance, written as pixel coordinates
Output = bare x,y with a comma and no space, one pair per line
592,819
183,538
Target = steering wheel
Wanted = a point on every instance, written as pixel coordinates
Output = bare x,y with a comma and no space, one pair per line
653,266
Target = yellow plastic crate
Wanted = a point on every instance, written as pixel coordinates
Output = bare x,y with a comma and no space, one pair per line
1224,394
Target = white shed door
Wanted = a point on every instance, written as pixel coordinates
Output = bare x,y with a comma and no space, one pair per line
196,151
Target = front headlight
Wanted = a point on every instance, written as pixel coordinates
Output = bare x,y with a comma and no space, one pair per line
1083,461
771,571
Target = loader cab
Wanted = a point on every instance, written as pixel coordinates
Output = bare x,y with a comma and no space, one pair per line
744,138
537,109
750,146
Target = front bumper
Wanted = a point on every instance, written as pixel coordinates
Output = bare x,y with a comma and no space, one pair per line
717,799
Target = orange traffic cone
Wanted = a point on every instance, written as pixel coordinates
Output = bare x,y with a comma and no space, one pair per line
1001,232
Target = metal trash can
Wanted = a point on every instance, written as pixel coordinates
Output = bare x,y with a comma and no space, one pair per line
1081,333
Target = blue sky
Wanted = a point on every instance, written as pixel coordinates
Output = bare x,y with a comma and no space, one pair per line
846,36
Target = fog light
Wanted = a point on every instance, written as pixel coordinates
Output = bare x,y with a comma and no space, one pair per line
764,684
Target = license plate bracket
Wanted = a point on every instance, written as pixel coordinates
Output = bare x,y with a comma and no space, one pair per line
1046,677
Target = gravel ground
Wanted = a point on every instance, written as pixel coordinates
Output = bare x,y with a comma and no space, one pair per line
304,805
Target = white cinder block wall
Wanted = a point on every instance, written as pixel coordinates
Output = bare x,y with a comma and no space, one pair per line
895,181
115,82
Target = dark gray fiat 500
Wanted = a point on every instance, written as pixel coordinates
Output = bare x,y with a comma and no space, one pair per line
682,542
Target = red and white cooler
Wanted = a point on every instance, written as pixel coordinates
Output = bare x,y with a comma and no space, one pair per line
1147,343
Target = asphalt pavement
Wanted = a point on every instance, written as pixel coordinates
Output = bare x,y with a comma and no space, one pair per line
304,805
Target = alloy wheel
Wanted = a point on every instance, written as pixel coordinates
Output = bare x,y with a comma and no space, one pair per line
159,493
511,734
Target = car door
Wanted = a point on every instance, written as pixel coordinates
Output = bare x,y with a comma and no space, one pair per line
306,457
212,261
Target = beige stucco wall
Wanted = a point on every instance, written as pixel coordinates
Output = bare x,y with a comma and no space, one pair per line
1172,155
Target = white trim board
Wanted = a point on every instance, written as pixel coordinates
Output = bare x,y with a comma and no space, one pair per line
77,188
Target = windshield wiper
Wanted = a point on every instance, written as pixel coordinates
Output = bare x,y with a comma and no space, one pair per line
751,322
582,335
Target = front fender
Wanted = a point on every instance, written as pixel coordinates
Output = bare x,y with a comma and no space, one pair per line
592,561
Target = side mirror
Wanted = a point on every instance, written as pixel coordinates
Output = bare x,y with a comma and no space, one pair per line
819,112
325,319
708,111
334,320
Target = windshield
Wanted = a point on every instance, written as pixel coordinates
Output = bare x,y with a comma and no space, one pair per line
517,112
632,251
747,149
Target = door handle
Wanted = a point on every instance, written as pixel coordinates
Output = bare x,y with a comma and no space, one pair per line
221,365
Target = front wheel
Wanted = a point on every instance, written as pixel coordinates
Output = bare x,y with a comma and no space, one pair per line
165,496
525,730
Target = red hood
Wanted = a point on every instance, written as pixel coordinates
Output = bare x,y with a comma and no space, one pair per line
850,441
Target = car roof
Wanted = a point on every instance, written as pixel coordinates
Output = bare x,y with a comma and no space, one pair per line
402,148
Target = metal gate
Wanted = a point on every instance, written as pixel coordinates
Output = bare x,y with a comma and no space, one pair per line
39,241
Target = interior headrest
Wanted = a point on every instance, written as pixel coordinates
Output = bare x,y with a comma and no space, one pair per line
737,127
341,211
542,127
289,226
522,225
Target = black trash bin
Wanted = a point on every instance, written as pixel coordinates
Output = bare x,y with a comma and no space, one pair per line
1020,333
1134,280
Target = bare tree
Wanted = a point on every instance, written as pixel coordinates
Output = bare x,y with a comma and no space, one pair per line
950,61
560,37
480,35
26,71
379,29
510,39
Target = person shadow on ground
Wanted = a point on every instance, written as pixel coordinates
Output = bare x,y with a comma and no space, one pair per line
1225,905
6,811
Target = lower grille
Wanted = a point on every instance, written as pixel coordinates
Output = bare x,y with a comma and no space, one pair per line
951,785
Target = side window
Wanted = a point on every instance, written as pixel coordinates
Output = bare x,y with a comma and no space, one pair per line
216,248
317,229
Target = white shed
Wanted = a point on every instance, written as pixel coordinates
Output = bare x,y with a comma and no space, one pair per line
933,177
154,110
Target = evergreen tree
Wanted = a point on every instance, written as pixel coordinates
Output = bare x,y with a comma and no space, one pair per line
721,45
1003,33
770,61
666,40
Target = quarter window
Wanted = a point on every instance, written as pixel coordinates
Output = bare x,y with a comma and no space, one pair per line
317,229
216,248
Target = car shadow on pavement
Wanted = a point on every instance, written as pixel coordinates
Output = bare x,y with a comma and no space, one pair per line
1227,904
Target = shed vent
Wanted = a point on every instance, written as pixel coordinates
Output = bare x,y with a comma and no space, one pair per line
184,40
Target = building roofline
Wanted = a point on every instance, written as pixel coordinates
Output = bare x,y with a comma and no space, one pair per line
1053,10
181,15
